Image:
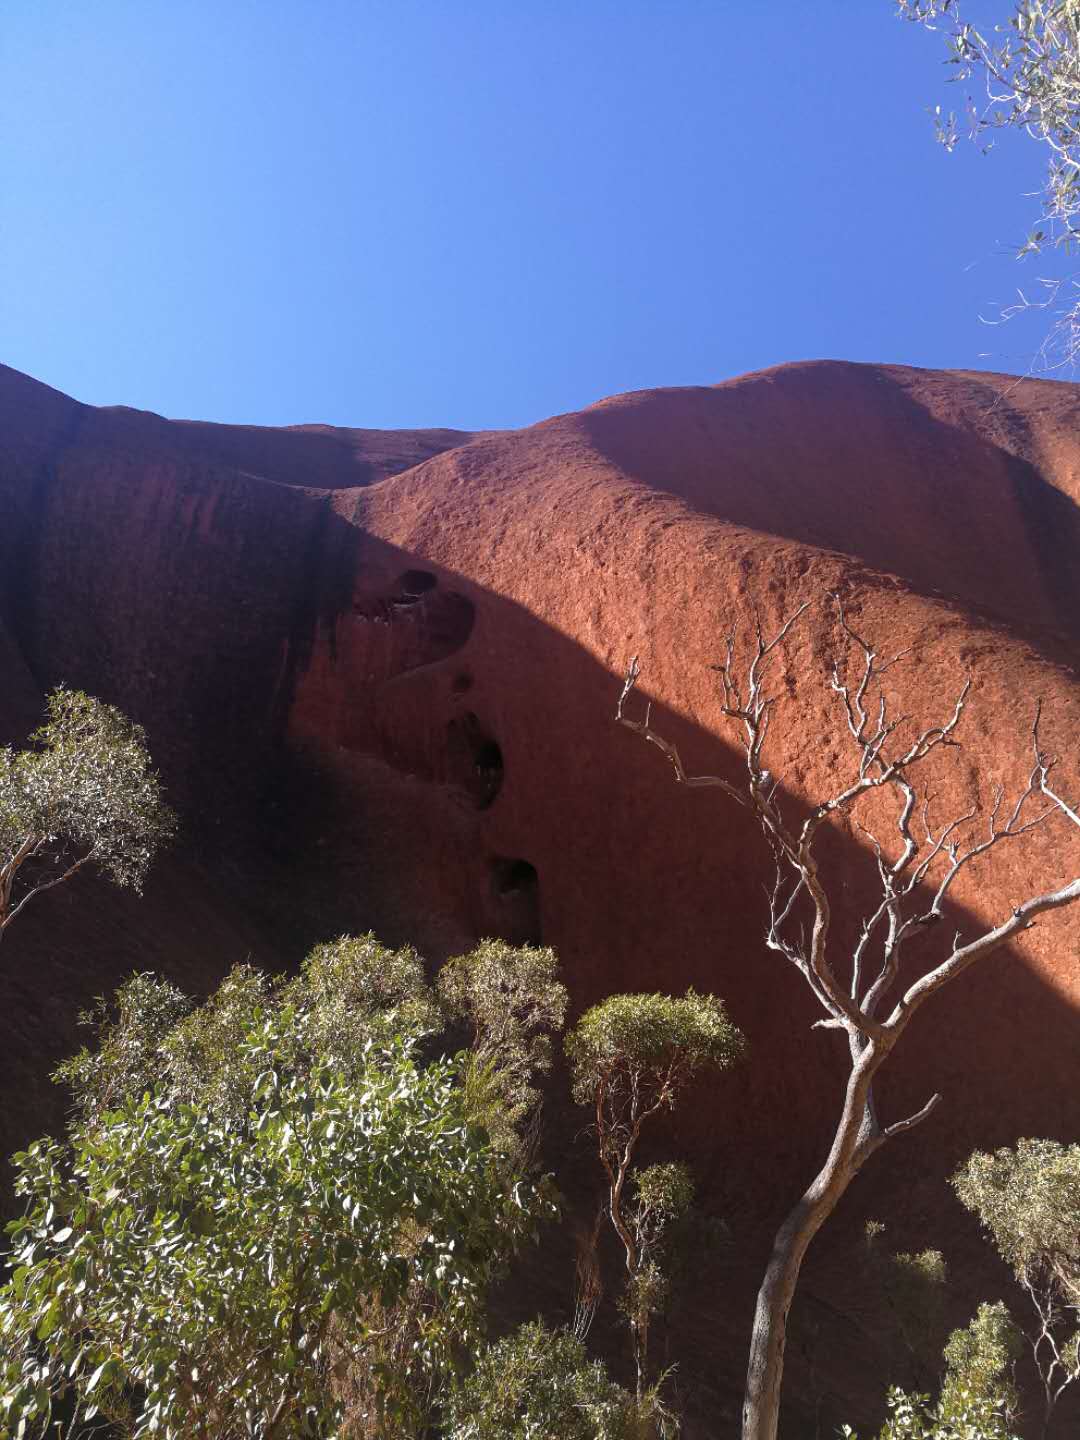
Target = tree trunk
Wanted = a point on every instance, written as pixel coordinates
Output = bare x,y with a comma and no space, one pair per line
765,1371
1048,1410
853,1142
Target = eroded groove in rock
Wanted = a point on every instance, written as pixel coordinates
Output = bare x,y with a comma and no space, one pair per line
474,760
412,624
414,585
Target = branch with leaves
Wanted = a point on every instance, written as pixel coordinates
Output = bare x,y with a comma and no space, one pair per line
83,795
631,1058
1028,1198
1028,72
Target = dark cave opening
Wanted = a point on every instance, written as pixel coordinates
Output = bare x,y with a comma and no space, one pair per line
474,760
516,887
414,585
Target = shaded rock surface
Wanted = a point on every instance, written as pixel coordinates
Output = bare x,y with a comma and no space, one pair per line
378,670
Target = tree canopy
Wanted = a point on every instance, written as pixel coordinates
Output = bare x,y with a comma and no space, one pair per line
1028,1198
83,794
537,1384
662,1039
510,999
311,1251
631,1057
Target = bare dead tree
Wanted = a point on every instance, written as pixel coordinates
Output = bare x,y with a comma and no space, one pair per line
856,990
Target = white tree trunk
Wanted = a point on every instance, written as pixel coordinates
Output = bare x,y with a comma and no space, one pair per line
857,1136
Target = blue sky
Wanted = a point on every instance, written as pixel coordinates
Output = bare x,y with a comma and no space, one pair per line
483,212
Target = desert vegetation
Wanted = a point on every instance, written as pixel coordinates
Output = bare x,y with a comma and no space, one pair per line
595,864
282,1211
81,794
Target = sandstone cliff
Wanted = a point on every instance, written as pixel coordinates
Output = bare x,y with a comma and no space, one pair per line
379,670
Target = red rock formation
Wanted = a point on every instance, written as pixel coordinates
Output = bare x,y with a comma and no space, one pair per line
385,700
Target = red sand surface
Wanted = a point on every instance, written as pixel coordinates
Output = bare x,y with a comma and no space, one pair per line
379,669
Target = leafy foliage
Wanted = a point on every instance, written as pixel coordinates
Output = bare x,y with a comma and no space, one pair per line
660,1040
631,1057
663,1195
917,1283
979,1359
914,1286
977,1400
355,991
966,1416
84,793
184,1270
350,995
1029,1200
536,1384
662,1198
1029,69
511,999
130,1034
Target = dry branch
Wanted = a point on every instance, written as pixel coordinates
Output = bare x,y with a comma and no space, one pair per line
853,988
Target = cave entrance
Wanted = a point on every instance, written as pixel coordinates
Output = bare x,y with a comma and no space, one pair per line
516,888
474,760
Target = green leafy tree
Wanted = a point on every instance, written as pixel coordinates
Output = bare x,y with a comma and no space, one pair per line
313,1262
129,1034
631,1058
967,1416
661,1198
537,1384
977,1400
83,794
1028,72
511,1000
1028,1198
356,991
979,1360
351,994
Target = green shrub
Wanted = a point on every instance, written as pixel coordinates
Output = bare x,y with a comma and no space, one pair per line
350,995
632,1057
539,1384
313,1253
1028,1198
511,999
979,1359
966,1416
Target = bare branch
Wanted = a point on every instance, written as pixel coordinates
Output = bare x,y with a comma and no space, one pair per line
1022,918
933,858
9,916
1066,810
1043,768
900,1127
643,727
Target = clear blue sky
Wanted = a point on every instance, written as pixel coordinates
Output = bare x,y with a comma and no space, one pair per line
482,212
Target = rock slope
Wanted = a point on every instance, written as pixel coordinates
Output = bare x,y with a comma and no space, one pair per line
379,672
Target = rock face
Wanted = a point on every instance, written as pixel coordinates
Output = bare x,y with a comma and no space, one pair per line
379,672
